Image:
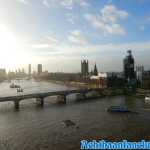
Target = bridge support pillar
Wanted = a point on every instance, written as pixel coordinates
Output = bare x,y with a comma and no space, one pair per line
16,103
40,101
80,96
61,99
64,99
84,96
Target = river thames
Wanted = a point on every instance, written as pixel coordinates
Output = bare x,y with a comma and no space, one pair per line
36,128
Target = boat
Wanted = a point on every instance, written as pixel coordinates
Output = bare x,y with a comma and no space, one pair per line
120,109
19,90
147,99
14,86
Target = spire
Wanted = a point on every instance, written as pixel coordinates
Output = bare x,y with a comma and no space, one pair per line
95,70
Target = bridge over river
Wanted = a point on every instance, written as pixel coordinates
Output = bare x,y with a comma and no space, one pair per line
41,96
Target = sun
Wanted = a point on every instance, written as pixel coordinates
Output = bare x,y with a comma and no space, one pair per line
10,49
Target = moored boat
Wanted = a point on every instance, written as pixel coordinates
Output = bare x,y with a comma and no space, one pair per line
14,86
147,99
118,109
19,90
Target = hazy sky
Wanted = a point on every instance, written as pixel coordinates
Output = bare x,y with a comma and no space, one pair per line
59,33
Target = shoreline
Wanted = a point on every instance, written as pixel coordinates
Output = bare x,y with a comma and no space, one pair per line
140,93
72,84
105,91
101,92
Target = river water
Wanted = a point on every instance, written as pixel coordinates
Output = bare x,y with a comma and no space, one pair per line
36,128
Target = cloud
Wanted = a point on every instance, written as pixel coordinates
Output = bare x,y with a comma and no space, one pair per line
46,3
114,29
79,48
52,40
108,20
142,28
70,18
108,48
49,43
93,19
148,18
111,14
76,37
42,45
109,1
67,4
109,56
23,1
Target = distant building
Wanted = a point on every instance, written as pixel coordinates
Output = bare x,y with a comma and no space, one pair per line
65,77
19,70
20,73
39,69
99,80
84,68
29,69
2,71
115,74
146,80
139,73
2,74
23,71
95,70
11,75
129,72
115,79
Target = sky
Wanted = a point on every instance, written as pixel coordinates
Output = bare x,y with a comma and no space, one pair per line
60,33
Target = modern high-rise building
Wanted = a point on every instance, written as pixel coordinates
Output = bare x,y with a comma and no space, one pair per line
129,72
84,67
29,69
139,73
39,69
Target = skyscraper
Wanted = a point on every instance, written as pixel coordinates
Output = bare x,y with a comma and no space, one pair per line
39,69
84,67
129,72
29,70
139,73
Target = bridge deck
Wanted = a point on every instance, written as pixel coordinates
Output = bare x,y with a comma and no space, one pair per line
43,95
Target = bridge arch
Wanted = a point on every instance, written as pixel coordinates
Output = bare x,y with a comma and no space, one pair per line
82,93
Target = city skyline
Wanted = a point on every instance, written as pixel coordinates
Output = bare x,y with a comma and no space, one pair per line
59,34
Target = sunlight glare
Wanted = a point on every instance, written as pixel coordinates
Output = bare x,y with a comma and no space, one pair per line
10,49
